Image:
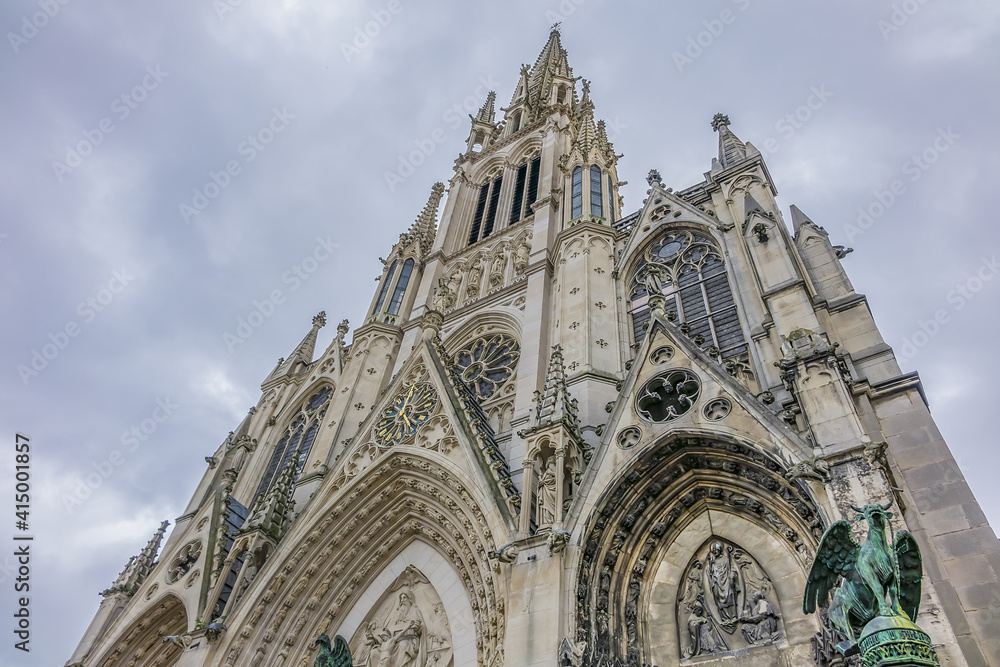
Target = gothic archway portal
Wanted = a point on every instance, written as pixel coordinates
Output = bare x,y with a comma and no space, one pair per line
661,511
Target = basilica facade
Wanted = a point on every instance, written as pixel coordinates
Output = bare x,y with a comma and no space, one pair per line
565,435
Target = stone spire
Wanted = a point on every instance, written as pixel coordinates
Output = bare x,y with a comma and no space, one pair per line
272,512
138,567
551,62
554,404
424,228
487,112
731,149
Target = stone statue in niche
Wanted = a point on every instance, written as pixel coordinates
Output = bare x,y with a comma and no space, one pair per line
407,628
443,297
496,271
653,278
547,494
474,284
521,256
725,602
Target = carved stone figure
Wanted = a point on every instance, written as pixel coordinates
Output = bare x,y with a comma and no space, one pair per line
653,278
724,585
496,271
475,282
754,580
521,256
403,633
705,637
571,654
547,494
443,297
761,624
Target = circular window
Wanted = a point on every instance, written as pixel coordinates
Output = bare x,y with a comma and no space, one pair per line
717,409
401,419
667,396
486,364
629,437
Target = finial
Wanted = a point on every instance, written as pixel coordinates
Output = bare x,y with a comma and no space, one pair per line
555,27
320,319
719,120
654,178
343,327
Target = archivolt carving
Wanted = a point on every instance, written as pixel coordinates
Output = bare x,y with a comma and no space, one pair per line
142,644
402,497
650,505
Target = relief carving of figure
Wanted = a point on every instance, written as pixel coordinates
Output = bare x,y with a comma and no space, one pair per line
754,579
547,494
761,624
401,644
724,584
705,637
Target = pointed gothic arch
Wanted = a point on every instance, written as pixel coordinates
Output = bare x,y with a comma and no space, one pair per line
405,497
645,517
141,643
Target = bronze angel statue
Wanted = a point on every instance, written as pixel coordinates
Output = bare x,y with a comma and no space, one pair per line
868,575
337,656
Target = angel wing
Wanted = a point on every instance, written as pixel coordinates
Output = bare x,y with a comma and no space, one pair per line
910,572
835,558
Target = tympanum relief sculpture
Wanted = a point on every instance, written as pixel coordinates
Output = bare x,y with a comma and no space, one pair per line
407,628
726,603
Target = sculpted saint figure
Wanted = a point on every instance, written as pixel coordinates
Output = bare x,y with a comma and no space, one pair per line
403,632
705,637
761,625
547,493
723,582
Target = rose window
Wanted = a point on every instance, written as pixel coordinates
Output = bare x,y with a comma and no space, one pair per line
488,363
408,411
668,396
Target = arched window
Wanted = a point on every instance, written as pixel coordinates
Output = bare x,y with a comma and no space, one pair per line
611,201
485,217
688,269
524,197
596,207
404,280
576,194
298,436
561,95
386,281
515,123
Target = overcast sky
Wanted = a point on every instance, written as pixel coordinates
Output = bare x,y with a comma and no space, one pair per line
115,113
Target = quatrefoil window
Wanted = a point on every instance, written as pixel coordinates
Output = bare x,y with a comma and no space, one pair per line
488,363
667,396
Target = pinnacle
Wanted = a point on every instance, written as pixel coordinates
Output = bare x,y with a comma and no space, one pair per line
487,112
424,228
272,514
554,403
731,149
